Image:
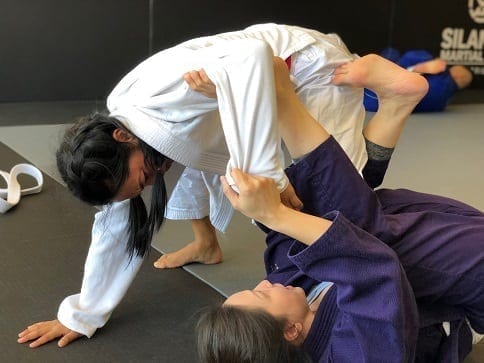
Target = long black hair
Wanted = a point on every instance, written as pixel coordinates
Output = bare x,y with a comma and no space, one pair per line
94,166
237,335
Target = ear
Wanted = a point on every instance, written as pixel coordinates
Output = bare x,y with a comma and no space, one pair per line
165,166
121,135
292,331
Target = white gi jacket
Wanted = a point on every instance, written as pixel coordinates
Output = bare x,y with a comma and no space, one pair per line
209,136
314,56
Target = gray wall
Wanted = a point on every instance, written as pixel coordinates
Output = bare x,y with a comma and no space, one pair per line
78,50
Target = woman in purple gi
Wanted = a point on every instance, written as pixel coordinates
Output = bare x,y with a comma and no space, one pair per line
386,268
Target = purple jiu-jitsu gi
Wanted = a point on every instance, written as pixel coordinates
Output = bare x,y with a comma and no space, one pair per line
372,304
439,241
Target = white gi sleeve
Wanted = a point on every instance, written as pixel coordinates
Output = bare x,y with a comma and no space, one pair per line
107,273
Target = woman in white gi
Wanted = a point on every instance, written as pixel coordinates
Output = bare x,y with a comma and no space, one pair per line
156,118
312,57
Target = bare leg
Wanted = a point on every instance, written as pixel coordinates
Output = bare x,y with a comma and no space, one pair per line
397,89
299,130
203,249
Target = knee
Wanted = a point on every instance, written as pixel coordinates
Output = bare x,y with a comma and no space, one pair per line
260,48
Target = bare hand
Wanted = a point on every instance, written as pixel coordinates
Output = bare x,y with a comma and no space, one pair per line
47,331
290,199
258,197
199,82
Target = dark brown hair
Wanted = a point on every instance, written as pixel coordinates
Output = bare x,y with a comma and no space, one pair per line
229,334
94,166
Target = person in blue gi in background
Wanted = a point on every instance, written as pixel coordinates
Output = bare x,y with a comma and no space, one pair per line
387,267
444,80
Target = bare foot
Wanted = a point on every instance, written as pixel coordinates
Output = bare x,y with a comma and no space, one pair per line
394,85
461,75
433,66
397,89
203,249
202,252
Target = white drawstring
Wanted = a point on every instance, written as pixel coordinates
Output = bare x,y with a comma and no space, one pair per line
10,196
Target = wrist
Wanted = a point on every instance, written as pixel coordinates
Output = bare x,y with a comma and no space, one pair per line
278,218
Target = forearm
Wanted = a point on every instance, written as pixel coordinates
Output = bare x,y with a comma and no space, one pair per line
108,273
298,225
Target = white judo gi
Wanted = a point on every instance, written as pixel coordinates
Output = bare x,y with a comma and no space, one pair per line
238,129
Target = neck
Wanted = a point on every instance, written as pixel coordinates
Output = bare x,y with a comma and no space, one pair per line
306,326
313,308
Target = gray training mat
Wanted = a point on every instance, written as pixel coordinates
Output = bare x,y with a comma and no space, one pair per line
44,247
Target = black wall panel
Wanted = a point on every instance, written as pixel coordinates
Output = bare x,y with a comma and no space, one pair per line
68,49
363,25
77,50
453,30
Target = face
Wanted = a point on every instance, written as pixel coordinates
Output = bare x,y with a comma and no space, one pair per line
278,300
140,175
